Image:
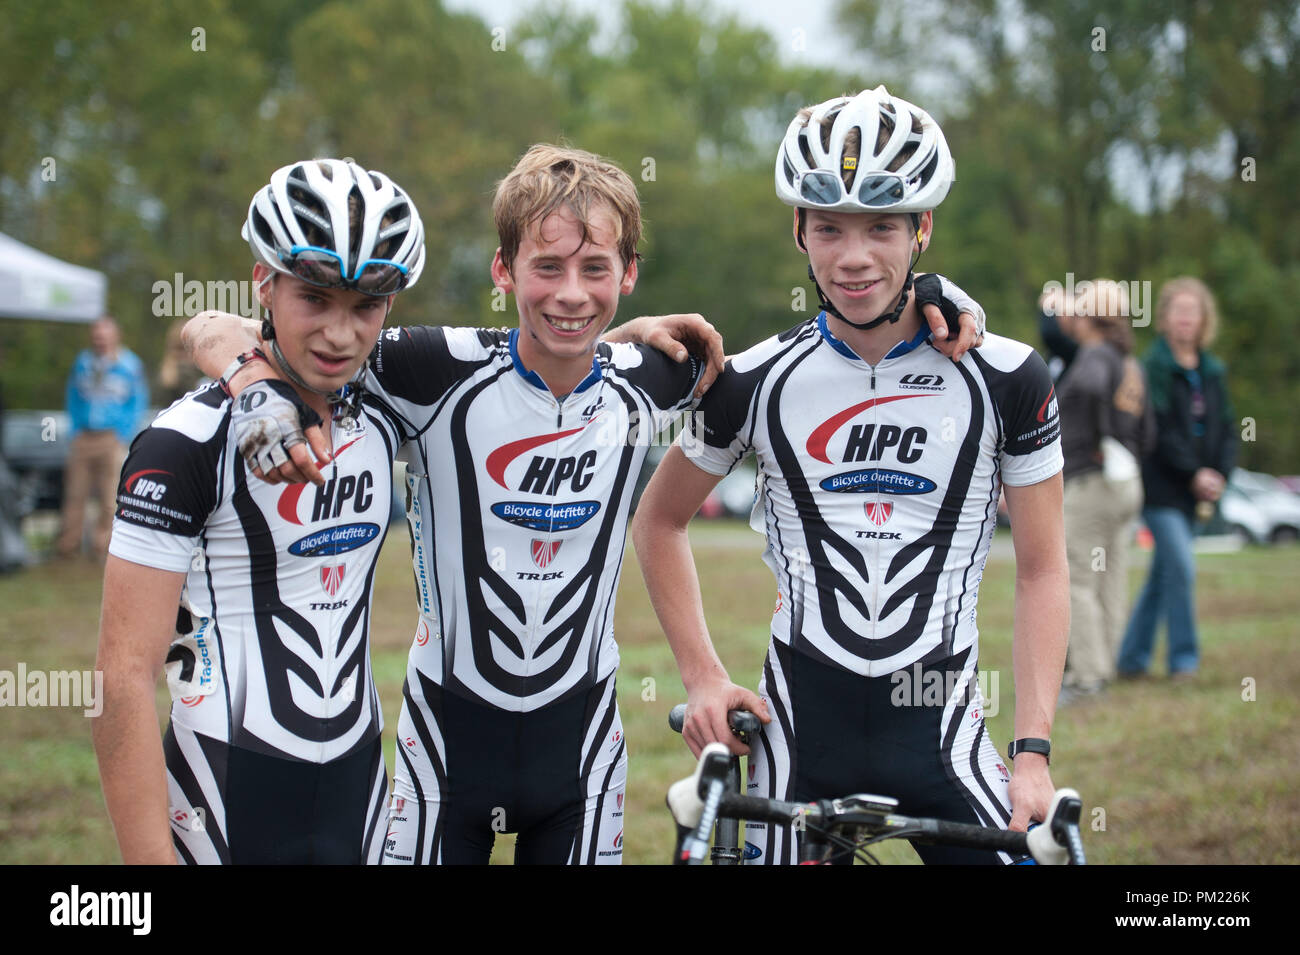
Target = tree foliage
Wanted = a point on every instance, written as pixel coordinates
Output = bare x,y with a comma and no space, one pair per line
1101,137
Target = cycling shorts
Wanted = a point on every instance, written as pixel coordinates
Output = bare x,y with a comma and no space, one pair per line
231,805
916,735
466,771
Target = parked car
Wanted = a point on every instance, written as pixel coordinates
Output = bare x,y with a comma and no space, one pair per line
35,447
1278,507
1237,516
733,497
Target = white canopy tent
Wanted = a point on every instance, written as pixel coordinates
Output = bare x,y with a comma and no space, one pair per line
36,285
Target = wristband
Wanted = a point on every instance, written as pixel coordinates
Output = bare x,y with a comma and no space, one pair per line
253,354
1030,744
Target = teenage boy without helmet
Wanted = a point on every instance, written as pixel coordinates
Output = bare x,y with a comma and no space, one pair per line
880,463
257,600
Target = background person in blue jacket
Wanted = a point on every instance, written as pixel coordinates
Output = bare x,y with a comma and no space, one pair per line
1196,447
106,397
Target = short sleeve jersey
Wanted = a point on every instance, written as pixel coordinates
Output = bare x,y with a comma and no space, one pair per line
272,646
878,486
518,504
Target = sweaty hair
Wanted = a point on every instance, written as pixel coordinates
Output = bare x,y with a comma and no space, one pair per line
549,177
1186,284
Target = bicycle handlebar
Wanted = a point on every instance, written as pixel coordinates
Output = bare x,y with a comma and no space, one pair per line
697,800
744,724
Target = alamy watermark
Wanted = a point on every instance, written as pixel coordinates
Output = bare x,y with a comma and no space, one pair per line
179,296
1104,297
619,426
128,909
76,688
916,686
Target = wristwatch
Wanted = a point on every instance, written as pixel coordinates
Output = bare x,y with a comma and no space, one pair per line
1030,744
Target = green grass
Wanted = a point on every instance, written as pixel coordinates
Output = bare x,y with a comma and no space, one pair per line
1189,773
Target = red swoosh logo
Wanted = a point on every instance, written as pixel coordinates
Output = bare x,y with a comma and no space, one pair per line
288,506
1042,408
130,481
500,459
821,437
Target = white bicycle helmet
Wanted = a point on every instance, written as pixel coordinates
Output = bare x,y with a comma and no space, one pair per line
308,201
911,171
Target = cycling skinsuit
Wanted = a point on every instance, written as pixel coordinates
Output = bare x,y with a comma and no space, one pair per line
273,750
518,505
878,491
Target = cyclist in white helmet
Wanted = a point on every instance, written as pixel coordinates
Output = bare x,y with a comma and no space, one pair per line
256,599
880,463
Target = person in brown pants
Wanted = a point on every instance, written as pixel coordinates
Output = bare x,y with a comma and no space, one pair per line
1106,427
106,396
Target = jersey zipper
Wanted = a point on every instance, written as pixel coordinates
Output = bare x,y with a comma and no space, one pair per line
329,639
875,560
538,592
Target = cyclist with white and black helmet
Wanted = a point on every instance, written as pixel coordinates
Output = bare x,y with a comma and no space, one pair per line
880,465
255,599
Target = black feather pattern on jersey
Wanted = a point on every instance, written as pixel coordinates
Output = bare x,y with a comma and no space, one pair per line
270,613
479,571
832,586
938,539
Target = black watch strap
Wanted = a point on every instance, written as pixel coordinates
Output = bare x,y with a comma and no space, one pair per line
1030,744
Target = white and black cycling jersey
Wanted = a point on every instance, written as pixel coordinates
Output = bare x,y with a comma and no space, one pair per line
272,647
518,504
878,486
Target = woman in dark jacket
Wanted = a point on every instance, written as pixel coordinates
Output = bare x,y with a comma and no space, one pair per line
1196,446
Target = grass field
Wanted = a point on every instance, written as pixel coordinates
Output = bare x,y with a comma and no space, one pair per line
1192,773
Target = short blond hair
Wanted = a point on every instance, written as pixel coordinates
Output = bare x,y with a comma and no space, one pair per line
1186,284
548,177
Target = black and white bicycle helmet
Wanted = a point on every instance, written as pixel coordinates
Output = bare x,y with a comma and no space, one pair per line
910,171
306,205
299,225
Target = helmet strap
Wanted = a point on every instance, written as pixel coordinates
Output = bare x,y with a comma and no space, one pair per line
268,336
268,329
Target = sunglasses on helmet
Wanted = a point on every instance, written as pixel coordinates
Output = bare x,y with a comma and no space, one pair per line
820,188
325,268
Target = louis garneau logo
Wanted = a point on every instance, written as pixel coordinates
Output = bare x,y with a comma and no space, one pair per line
75,907
922,382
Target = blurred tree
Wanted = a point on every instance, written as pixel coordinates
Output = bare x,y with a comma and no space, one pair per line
1120,137
1131,139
